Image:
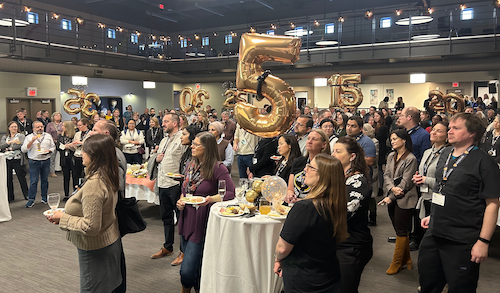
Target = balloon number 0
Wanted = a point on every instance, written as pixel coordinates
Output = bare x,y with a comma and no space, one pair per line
195,99
255,49
83,101
340,87
443,103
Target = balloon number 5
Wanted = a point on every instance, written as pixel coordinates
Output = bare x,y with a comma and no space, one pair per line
339,84
83,101
255,49
195,99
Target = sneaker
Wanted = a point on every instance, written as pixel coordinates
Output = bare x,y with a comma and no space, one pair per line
44,200
29,204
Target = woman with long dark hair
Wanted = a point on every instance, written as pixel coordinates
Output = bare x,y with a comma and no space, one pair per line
357,250
328,126
201,179
306,255
341,120
63,145
289,150
401,196
90,218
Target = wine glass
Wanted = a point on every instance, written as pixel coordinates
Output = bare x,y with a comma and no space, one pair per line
222,189
53,200
244,183
239,192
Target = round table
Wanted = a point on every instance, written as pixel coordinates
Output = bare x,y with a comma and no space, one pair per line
4,200
239,254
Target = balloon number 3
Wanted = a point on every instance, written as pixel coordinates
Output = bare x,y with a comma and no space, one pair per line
255,49
340,87
83,101
195,99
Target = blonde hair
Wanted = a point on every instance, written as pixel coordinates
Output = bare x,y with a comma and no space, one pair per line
70,129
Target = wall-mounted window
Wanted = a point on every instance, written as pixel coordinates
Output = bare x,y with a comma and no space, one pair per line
385,22
32,17
134,38
228,39
111,33
184,43
271,32
66,24
329,28
467,14
205,41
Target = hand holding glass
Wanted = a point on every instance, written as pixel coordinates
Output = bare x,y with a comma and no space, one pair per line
53,200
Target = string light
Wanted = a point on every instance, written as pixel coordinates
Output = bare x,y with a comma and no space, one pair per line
79,20
398,12
341,19
368,14
196,37
55,16
317,22
119,29
463,6
430,10
100,25
215,34
273,26
27,9
292,25
1,5
252,30
137,33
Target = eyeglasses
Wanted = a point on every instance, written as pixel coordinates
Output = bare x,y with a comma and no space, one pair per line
197,145
308,166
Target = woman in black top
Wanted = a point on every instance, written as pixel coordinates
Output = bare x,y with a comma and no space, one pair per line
154,135
118,120
63,145
381,134
289,150
306,250
388,119
262,162
188,135
399,104
492,143
357,250
341,125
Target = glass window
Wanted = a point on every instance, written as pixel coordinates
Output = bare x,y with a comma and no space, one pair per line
467,13
111,33
329,28
134,38
184,43
228,39
66,24
271,32
33,17
205,41
385,22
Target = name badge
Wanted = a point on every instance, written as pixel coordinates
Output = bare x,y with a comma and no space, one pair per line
243,142
438,198
424,188
254,161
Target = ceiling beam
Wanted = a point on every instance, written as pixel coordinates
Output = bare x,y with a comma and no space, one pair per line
208,10
265,4
291,4
160,16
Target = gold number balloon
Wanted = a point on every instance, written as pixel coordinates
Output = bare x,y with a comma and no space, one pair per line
339,84
195,99
256,49
442,103
233,97
83,101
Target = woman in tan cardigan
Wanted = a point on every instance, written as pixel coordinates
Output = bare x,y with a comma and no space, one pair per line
90,219
401,196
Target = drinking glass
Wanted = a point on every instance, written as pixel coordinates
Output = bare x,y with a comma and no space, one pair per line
244,183
264,207
53,200
222,189
239,192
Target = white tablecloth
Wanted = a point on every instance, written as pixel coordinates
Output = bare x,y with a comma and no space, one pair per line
4,200
239,254
141,192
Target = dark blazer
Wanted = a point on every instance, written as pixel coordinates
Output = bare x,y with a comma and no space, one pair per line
486,146
154,141
404,170
265,149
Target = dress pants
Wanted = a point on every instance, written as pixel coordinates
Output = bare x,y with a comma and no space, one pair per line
400,218
168,201
21,176
78,167
352,261
442,261
68,170
39,169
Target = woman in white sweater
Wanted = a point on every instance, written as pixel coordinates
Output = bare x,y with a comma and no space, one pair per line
131,140
90,219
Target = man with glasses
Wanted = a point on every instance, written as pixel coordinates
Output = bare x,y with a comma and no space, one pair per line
303,127
39,145
168,158
354,129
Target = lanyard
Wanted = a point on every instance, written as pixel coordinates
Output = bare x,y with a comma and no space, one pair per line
447,171
281,167
359,136
413,129
432,158
494,140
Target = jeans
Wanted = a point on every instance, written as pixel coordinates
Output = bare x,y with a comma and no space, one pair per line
244,161
191,265
39,169
21,176
168,201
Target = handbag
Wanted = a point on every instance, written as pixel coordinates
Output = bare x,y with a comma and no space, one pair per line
141,150
129,216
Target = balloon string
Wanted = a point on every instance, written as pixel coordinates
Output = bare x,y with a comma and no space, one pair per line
261,79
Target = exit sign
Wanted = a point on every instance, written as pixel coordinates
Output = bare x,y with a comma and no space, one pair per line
161,6
32,91
455,84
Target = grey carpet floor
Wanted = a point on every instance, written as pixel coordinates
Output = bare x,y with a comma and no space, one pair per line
36,257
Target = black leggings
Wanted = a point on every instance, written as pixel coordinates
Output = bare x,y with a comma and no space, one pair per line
401,219
21,176
68,170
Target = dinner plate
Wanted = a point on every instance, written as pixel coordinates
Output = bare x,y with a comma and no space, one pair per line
276,215
276,158
193,199
49,212
240,212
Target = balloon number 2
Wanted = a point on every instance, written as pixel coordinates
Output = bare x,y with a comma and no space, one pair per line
84,102
255,49
195,99
340,87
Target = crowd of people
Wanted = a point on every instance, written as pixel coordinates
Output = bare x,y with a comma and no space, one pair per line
425,167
